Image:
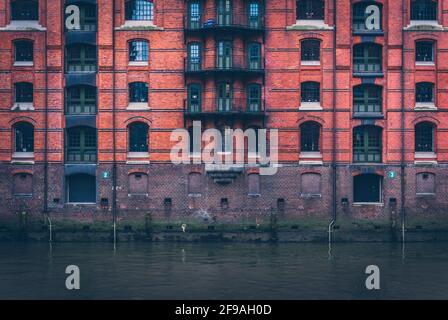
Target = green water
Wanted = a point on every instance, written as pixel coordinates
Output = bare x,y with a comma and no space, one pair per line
223,271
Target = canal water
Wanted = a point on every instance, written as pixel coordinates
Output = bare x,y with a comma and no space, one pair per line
223,271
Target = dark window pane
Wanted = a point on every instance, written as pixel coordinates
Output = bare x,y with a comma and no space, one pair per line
81,58
194,98
423,10
138,51
81,100
424,92
23,51
194,56
81,145
24,10
367,58
310,137
24,137
138,137
360,15
310,92
367,188
310,9
311,50
424,51
139,10
138,92
24,92
367,144
367,98
424,137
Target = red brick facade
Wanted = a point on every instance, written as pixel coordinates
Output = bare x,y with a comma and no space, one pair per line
310,183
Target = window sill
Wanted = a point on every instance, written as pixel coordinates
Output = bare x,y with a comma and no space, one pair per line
23,64
195,195
310,63
138,63
139,25
425,63
138,195
426,195
424,25
310,158
423,106
310,106
425,158
24,25
309,25
310,196
368,204
138,158
138,106
23,158
22,106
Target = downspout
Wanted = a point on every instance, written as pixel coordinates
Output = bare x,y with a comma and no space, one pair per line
402,164
333,161
114,142
46,211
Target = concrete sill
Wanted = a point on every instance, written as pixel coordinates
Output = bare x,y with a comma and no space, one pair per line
367,204
309,25
139,25
23,25
254,195
138,106
136,195
23,158
310,106
81,204
23,106
425,63
310,196
194,195
426,195
138,63
425,106
424,25
310,63
23,64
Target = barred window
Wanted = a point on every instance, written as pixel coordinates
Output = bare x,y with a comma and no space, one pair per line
138,92
81,145
310,91
424,51
81,100
23,92
81,58
139,10
24,137
424,137
367,144
310,137
138,137
424,92
23,51
367,57
423,10
138,50
24,10
367,98
310,50
310,9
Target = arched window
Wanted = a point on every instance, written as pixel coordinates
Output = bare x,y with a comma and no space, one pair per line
367,17
254,14
224,12
310,9
367,144
194,97
138,51
224,55
424,137
138,137
367,188
139,10
310,91
81,145
23,51
424,92
23,92
81,58
194,14
425,10
81,100
194,56
310,50
24,10
138,92
24,137
254,56
310,137
367,58
367,98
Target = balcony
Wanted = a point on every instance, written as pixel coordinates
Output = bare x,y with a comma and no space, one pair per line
225,107
224,23
236,64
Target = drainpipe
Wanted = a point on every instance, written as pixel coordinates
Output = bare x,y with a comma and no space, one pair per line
46,211
402,164
333,161
114,142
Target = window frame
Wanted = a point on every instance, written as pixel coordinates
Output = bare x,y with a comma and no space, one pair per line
310,94
29,55
310,137
424,5
254,103
194,62
191,106
254,61
23,97
367,100
144,10
31,8
425,133
358,20
308,54
25,141
84,63
307,5
224,103
418,56
138,137
138,97
83,104
420,88
362,64
86,152
367,147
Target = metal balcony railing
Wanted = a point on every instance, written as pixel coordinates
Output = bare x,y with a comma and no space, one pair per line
215,21
223,106
234,63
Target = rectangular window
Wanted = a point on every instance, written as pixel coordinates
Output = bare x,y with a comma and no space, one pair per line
367,144
310,9
138,92
424,92
194,57
194,15
138,51
194,98
367,58
23,51
310,92
81,145
425,10
254,97
81,100
24,92
311,50
367,99
224,8
254,15
424,51
224,97
224,55
81,58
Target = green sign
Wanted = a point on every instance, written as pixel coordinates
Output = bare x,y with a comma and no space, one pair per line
105,175
392,174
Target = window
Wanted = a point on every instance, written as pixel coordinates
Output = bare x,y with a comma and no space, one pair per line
23,92
310,184
224,12
424,51
81,188
23,184
253,181
424,92
254,56
367,144
23,51
224,96
138,183
194,15
194,183
310,137
139,10
224,55
426,183
310,50
138,137
310,91
194,98
367,98
138,92
87,18
310,9
423,10
24,137
138,51
424,137
194,56
367,188
254,97
81,145
81,100
367,58
367,16
254,14
24,10
81,58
